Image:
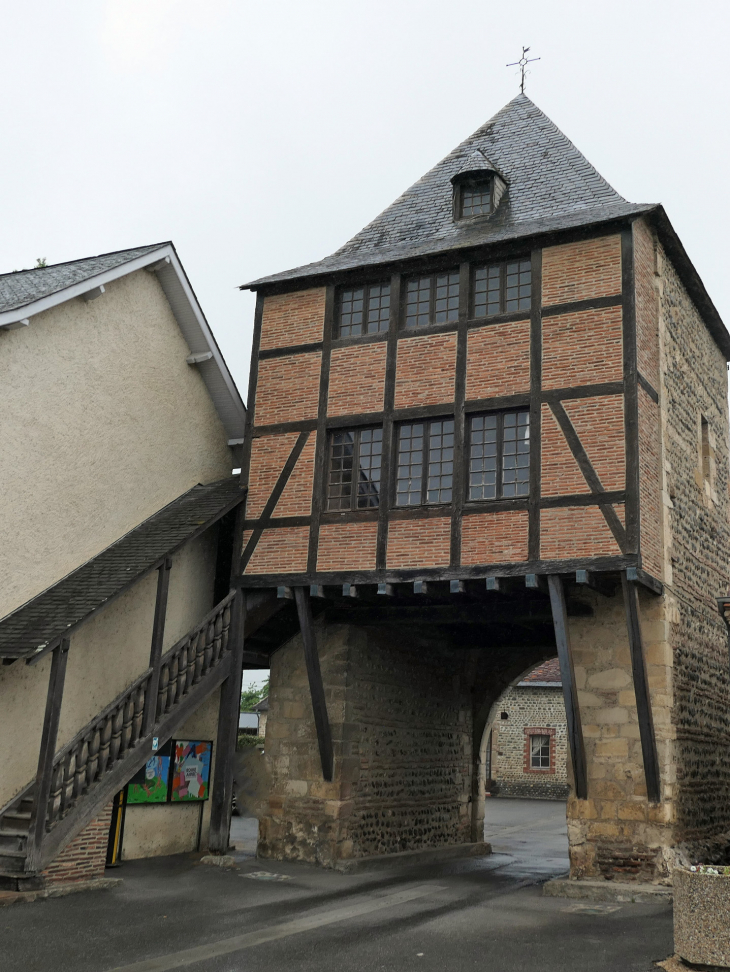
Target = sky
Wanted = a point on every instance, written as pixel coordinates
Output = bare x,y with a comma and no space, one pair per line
262,136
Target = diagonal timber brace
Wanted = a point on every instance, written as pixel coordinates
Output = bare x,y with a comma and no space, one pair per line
316,687
570,692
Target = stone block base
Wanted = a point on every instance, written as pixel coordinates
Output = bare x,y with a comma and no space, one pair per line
702,918
429,855
606,891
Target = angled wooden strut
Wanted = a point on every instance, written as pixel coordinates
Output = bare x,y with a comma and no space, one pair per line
316,687
49,737
158,634
570,692
641,690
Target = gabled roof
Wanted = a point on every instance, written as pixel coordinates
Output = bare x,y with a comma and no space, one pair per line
58,610
546,675
552,186
29,292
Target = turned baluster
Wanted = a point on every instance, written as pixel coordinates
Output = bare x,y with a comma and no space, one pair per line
82,759
182,667
217,638
172,684
127,723
67,791
190,662
115,749
162,691
54,801
139,697
104,742
92,769
226,626
209,639
199,655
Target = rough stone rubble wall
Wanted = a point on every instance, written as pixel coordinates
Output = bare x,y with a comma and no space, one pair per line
401,723
528,709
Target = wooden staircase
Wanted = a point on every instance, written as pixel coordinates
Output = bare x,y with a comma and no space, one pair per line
104,755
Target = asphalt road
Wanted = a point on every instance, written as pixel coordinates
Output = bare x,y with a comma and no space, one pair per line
487,914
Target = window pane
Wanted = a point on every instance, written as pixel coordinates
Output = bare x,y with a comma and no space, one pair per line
518,280
516,454
418,302
409,478
476,200
339,483
446,305
540,752
483,457
378,308
369,458
486,291
351,312
440,461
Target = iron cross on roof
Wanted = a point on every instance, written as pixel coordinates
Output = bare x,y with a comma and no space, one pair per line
522,64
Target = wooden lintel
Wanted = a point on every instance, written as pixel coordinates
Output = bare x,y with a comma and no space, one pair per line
641,690
256,659
638,576
596,582
316,686
570,692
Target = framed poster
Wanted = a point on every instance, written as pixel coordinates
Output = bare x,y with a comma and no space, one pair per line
151,783
191,770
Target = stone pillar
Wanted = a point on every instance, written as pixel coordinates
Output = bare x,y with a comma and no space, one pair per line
401,724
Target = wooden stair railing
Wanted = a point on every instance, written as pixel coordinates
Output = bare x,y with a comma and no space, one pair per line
108,751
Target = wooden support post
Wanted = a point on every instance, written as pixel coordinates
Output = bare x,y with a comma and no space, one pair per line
641,690
570,692
44,775
316,687
158,634
225,750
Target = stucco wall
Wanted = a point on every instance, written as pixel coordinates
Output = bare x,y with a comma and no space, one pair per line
106,655
103,424
156,830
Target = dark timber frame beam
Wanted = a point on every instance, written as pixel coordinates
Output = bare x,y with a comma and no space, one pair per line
49,737
570,692
158,634
641,690
230,706
316,687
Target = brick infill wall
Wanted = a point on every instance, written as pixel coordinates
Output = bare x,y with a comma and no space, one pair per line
85,857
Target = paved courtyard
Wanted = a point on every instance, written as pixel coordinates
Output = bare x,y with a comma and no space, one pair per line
261,916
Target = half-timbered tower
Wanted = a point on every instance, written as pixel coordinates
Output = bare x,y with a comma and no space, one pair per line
492,424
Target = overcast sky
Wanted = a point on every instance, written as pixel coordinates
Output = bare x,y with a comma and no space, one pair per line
261,136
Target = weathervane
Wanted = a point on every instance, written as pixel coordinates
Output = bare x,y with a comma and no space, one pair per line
522,64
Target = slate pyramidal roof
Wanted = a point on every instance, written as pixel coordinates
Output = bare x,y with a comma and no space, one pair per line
551,187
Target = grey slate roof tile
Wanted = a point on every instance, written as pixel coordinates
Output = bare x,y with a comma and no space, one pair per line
551,186
47,616
24,286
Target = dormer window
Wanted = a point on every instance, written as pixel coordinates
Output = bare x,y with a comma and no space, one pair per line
478,187
475,197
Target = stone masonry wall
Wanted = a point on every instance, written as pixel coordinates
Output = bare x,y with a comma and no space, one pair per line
401,724
697,554
529,709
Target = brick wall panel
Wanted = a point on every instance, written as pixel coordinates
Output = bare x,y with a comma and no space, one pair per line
419,543
560,473
575,531
599,423
498,360
426,369
347,546
291,319
84,858
280,551
296,500
647,304
579,271
582,349
288,389
494,538
268,457
357,379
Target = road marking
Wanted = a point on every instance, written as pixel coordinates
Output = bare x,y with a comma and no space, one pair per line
201,953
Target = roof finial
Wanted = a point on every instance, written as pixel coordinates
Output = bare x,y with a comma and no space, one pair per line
522,64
